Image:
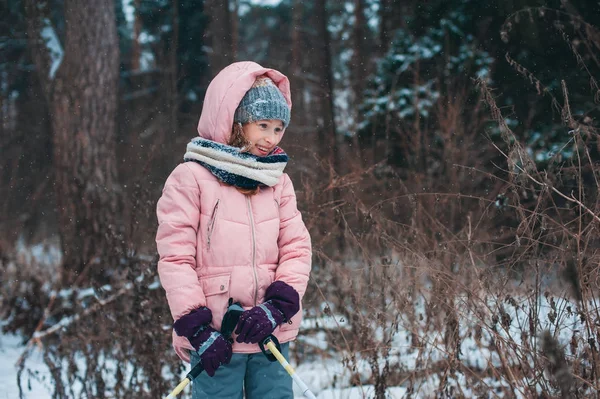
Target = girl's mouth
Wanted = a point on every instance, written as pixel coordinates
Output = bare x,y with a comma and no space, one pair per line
262,150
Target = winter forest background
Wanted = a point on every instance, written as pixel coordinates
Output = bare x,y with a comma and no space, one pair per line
445,155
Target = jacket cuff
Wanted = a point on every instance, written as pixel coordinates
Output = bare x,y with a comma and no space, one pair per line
284,298
193,323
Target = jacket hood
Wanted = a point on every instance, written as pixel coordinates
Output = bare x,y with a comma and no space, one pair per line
225,92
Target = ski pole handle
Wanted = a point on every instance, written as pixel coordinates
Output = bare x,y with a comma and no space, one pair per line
195,372
178,388
268,342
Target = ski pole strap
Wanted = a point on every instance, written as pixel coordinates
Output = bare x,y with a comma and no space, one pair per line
277,354
195,371
270,355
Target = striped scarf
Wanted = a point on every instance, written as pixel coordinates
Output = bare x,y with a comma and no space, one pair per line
236,168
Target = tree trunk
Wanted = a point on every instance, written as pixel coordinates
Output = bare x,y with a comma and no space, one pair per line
173,70
328,142
136,50
359,60
296,80
83,107
235,17
359,69
218,34
384,28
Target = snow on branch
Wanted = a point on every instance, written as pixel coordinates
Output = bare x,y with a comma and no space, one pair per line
69,320
55,50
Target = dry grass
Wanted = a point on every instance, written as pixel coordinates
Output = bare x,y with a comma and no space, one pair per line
479,246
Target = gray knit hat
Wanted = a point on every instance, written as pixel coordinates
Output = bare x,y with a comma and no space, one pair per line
263,101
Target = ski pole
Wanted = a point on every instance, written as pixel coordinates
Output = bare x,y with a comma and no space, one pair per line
180,387
268,342
195,372
234,311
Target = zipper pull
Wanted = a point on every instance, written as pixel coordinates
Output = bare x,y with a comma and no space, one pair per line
211,223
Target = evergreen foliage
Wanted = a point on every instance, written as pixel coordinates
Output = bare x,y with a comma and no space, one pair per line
415,72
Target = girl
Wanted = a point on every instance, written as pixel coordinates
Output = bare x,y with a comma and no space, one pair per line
229,227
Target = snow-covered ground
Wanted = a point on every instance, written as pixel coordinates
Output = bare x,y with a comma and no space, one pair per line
329,378
317,375
320,376
38,385
35,386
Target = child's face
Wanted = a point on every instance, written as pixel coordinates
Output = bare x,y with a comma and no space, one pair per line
264,135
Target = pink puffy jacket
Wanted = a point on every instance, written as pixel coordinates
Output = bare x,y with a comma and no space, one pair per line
213,241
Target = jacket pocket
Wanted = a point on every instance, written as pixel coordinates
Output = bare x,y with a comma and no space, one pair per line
215,285
216,291
211,224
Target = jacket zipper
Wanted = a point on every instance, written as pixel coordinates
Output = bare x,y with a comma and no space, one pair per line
253,250
211,225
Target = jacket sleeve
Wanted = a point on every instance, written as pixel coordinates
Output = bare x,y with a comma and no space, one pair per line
295,252
178,212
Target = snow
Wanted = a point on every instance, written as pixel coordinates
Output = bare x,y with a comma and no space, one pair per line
366,391
43,254
147,60
265,3
55,50
325,370
318,375
244,8
129,11
35,386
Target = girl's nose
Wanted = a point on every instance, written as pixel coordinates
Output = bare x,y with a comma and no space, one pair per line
270,138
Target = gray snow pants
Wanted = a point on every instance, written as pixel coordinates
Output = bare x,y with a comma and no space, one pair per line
251,374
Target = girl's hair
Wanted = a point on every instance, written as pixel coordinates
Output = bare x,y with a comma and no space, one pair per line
238,140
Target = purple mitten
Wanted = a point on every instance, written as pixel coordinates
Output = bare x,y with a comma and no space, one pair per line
256,324
213,349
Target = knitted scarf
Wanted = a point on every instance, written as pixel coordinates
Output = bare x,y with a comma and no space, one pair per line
236,168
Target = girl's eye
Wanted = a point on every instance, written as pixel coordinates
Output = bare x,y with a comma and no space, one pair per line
278,130
263,125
